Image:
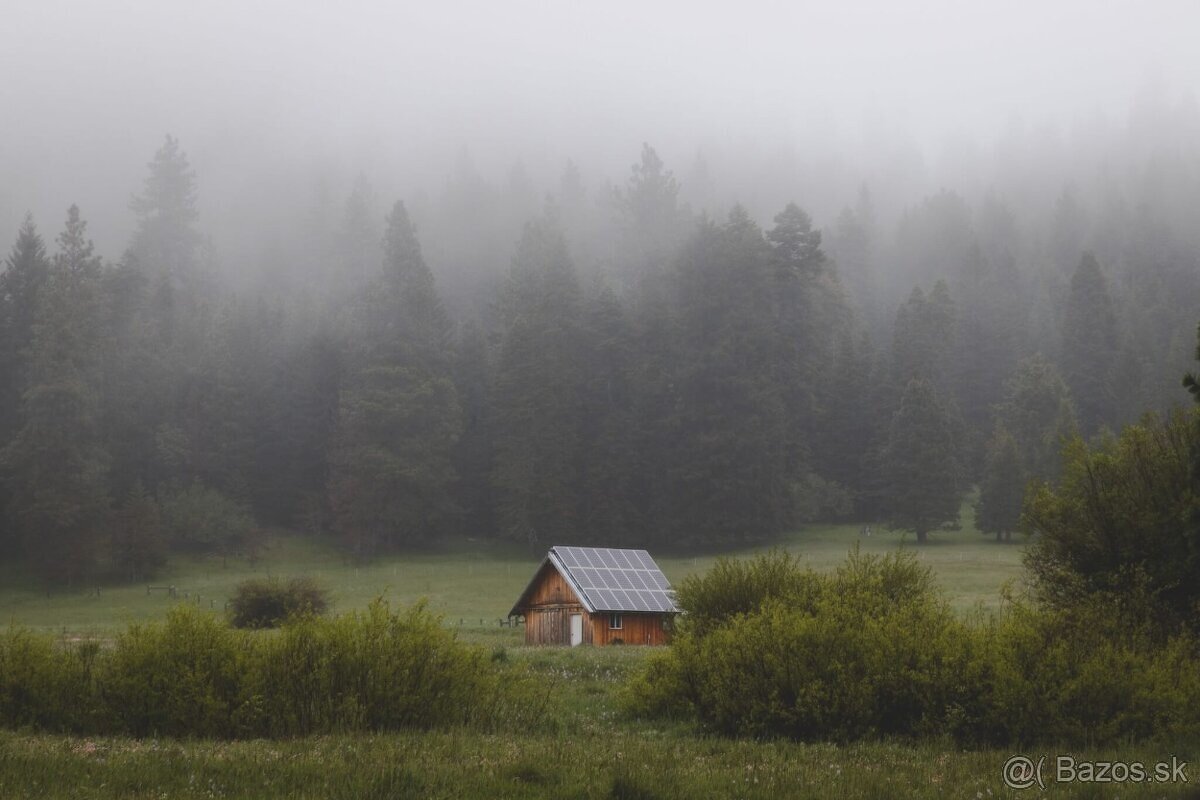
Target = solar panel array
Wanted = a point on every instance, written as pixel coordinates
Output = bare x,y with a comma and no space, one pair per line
618,580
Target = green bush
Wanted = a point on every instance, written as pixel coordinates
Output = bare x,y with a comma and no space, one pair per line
194,676
741,586
265,603
378,671
180,678
1084,676
44,685
872,650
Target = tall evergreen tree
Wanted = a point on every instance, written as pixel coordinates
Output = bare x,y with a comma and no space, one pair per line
922,478
56,466
923,341
25,273
808,315
539,392
610,470
166,238
1090,345
730,469
651,221
399,417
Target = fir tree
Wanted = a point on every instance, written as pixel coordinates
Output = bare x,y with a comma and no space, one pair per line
25,273
166,237
922,489
539,392
56,465
731,471
399,419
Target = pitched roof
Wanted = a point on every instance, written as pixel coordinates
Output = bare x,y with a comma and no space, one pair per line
607,579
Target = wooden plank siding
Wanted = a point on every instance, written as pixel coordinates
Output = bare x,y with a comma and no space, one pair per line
552,625
635,629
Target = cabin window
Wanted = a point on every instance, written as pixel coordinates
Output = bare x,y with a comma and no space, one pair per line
614,622
667,624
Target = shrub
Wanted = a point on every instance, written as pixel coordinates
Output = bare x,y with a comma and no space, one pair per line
43,685
737,586
193,675
179,678
376,670
872,650
1126,508
265,603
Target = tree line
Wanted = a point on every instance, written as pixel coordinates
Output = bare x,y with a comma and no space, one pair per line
720,383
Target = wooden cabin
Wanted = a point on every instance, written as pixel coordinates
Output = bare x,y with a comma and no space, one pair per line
591,595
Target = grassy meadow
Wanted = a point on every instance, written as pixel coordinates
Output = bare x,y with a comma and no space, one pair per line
587,749
472,583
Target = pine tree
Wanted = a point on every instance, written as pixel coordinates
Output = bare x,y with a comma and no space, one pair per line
923,488
923,339
399,418
652,222
610,470
808,315
166,238
1002,490
21,282
56,465
539,392
25,273
1090,345
729,471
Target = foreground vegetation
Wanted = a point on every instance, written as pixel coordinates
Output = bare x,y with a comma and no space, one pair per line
194,676
871,650
584,748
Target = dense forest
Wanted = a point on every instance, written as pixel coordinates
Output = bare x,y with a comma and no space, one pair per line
642,363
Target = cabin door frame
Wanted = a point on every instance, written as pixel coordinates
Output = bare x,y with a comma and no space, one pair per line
576,629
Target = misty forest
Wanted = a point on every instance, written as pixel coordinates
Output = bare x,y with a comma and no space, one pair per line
534,401
628,360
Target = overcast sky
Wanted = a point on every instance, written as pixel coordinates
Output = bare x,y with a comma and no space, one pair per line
89,88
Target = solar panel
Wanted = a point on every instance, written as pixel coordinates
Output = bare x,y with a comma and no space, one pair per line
617,580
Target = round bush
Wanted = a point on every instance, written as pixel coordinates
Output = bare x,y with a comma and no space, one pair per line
267,603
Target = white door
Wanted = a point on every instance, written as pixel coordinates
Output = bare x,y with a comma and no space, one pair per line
576,629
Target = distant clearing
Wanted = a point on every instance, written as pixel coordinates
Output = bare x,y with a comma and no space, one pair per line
470,581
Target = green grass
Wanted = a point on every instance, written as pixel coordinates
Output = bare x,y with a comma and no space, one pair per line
641,764
466,581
